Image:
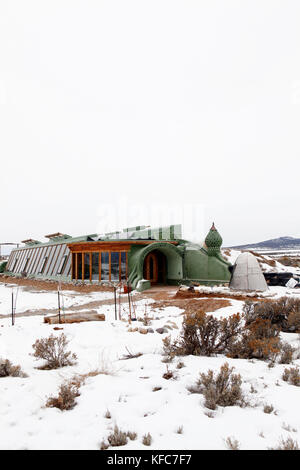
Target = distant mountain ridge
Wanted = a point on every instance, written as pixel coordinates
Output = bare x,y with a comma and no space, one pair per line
281,243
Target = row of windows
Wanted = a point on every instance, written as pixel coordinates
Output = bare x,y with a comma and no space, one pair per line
47,260
102,266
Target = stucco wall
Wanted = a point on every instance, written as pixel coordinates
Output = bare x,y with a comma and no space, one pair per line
199,266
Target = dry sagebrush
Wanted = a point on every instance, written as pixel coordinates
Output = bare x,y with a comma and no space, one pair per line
53,351
284,313
68,392
292,376
259,340
7,369
223,388
204,335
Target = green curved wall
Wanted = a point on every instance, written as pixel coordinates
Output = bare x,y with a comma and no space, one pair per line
201,267
138,254
185,263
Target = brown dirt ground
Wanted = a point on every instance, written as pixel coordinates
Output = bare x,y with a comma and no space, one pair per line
35,284
163,296
192,305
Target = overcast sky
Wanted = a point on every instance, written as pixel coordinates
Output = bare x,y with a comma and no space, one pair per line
118,112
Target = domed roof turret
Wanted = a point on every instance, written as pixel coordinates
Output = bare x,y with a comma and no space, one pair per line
213,241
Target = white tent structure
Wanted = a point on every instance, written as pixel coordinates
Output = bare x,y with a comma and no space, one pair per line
247,274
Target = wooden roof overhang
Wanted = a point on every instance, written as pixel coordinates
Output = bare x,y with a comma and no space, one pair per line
112,245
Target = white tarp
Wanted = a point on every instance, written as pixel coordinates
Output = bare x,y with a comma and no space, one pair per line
247,274
291,283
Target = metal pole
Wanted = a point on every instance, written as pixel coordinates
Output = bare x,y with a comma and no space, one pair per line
120,303
128,288
58,294
115,299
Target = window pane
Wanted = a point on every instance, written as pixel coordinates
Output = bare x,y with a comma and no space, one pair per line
73,265
123,266
62,264
43,265
114,266
86,265
104,266
95,266
79,265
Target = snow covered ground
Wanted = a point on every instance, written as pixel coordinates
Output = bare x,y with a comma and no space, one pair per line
231,256
127,388
35,300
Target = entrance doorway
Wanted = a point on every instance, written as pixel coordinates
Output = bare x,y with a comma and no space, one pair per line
155,267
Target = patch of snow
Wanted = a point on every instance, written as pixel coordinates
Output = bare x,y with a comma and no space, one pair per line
127,392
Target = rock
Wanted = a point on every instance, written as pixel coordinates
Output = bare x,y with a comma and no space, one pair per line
161,331
150,330
143,331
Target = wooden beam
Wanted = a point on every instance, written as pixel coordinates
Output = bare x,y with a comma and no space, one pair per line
112,245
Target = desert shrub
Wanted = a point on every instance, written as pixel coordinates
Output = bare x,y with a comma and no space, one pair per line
286,353
289,261
146,320
180,365
7,369
169,374
293,321
132,435
147,439
204,335
232,443
104,445
292,376
259,340
268,409
117,437
223,388
179,430
107,414
284,312
288,427
67,393
53,351
287,444
3,266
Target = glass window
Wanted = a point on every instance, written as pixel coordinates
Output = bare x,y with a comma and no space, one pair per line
52,257
17,259
95,266
68,266
104,266
62,264
114,266
59,257
123,265
73,265
26,264
43,265
86,265
37,253
79,266
41,262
